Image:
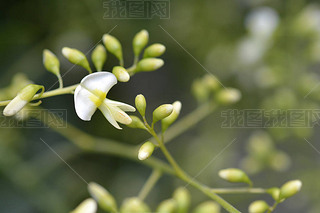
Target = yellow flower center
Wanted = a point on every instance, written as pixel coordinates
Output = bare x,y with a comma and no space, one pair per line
98,97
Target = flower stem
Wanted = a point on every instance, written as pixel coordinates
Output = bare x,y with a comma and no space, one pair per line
152,180
239,190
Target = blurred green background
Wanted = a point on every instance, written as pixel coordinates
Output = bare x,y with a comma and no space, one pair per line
274,69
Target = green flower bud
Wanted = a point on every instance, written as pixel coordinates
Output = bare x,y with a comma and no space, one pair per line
149,64
113,46
154,51
274,192
166,122
76,57
103,197
121,74
211,82
258,206
289,189
140,40
183,199
200,91
235,176
162,112
146,150
228,96
87,206
167,206
99,57
207,207
136,123
134,205
22,99
51,62
141,104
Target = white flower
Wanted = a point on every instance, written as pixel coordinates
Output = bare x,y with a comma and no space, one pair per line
91,94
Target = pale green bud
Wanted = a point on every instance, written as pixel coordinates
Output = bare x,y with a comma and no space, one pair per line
289,189
235,176
274,192
149,64
207,207
162,112
134,205
167,206
99,56
183,199
103,197
51,62
87,206
200,91
113,45
211,82
166,122
22,99
228,96
141,104
140,40
136,123
154,51
146,150
76,57
258,206
121,74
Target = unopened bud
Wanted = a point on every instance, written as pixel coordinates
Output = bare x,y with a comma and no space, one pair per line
162,112
76,57
211,82
274,192
87,206
206,207
121,74
235,176
200,91
183,199
103,197
258,206
146,150
140,40
99,57
228,96
51,62
149,64
154,51
136,123
167,206
166,122
22,99
289,189
141,104
134,205
113,45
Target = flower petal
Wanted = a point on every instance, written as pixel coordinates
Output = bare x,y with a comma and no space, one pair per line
119,115
102,81
14,106
108,115
83,104
123,106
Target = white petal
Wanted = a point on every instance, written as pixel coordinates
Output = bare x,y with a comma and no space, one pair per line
87,206
102,81
14,106
123,106
108,115
83,104
119,115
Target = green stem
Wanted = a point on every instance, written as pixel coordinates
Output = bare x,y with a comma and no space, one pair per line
60,81
152,180
239,190
271,209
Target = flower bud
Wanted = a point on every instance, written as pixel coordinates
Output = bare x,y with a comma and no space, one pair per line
167,206
274,192
183,199
258,206
235,176
103,197
154,50
121,74
289,189
136,123
149,64
211,82
206,207
162,112
200,91
141,104
99,57
51,62
87,206
166,122
134,205
22,98
113,45
146,150
228,96
140,40
76,57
